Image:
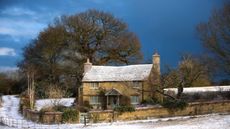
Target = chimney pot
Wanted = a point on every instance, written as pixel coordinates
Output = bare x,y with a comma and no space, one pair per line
156,61
87,66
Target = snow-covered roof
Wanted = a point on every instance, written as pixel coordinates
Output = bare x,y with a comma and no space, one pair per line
118,73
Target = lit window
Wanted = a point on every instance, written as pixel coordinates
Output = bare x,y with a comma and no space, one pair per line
94,100
94,85
134,99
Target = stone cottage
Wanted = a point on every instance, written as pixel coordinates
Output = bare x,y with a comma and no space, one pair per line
104,87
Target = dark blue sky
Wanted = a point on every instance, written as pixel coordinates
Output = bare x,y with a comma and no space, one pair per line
165,25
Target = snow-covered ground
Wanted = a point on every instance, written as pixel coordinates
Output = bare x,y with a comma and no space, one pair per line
211,121
10,107
48,102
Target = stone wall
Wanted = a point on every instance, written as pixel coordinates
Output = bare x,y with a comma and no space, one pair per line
145,113
141,113
51,117
31,115
46,117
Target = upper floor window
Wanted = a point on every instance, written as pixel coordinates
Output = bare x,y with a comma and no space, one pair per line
137,84
134,99
94,85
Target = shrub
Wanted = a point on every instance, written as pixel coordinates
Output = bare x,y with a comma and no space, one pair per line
83,109
124,108
47,109
69,115
226,94
60,108
150,101
86,104
174,104
24,101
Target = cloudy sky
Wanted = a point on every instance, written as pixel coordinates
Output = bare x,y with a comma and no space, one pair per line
165,25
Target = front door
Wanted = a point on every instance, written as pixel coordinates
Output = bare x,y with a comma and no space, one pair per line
113,101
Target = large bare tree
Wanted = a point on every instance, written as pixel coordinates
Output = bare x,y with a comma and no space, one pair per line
215,36
60,50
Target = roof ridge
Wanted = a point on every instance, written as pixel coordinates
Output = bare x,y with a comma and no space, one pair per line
121,65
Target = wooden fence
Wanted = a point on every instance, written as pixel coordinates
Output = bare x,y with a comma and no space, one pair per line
24,124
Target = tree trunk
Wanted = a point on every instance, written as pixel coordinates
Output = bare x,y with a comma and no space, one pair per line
179,91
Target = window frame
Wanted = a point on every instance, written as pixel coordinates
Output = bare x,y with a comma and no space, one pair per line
137,84
94,85
94,100
136,98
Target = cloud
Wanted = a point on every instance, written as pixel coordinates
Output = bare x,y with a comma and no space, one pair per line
17,11
20,27
4,51
7,68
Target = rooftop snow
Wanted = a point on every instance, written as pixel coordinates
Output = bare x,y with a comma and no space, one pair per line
118,73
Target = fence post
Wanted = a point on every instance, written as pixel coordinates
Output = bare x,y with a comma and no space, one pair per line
84,120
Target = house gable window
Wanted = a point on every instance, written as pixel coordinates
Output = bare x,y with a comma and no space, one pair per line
94,100
94,85
134,100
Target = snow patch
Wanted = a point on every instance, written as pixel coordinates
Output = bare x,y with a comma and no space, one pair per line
199,89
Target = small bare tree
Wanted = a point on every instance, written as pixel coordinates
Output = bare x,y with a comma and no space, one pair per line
55,93
189,72
31,86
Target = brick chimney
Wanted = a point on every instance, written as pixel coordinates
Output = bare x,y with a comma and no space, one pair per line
87,66
156,61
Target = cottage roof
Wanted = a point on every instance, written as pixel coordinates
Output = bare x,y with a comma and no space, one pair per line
118,73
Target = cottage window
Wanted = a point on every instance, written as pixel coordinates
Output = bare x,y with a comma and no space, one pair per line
94,85
94,100
134,100
137,84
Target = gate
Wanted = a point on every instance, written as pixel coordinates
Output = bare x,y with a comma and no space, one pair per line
84,117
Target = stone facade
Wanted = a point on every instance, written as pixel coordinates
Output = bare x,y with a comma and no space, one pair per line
125,88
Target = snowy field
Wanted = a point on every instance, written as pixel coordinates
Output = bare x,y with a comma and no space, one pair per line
211,121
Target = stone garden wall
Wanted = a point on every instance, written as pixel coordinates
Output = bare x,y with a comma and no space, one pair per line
145,113
138,114
46,117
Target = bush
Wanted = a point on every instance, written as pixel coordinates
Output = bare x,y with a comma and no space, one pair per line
124,108
47,109
150,101
24,101
83,109
60,108
86,104
226,94
70,115
175,104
